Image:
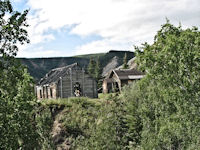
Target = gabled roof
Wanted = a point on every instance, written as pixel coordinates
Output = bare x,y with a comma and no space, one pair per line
131,64
113,63
125,74
55,74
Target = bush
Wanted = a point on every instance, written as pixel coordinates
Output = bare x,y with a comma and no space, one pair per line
165,103
86,123
131,96
44,121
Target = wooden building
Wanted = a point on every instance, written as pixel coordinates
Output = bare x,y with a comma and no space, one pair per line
116,79
64,82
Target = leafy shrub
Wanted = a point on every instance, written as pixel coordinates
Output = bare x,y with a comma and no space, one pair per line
131,96
44,122
88,123
165,103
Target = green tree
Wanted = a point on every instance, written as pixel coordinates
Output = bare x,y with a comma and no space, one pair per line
130,96
97,70
91,67
98,73
17,100
125,65
169,93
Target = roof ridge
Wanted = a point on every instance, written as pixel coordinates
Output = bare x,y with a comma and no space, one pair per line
68,66
57,71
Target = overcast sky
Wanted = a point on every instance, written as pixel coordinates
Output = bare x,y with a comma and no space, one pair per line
73,27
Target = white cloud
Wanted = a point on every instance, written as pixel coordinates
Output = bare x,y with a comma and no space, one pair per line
102,45
40,52
37,30
16,1
118,22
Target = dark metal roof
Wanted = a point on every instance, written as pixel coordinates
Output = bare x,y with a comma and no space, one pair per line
55,74
124,74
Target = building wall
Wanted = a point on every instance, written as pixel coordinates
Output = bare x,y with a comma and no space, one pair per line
64,88
46,92
105,87
116,83
90,87
38,92
52,91
77,75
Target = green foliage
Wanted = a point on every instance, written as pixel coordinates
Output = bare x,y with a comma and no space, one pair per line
67,102
44,122
16,105
131,96
97,70
88,56
91,67
17,99
96,126
107,96
85,123
94,69
12,30
166,105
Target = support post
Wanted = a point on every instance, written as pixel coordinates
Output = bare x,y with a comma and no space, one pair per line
71,81
83,82
61,88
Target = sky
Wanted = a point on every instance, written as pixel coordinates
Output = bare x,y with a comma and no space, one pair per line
61,28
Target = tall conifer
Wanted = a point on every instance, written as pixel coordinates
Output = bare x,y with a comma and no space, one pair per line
91,67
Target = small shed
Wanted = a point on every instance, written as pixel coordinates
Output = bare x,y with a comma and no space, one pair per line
64,82
116,79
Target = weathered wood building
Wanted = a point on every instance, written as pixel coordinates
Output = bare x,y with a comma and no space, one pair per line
116,79
64,82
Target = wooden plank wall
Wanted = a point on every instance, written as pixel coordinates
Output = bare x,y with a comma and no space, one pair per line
88,84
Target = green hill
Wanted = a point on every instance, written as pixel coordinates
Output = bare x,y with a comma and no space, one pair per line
38,67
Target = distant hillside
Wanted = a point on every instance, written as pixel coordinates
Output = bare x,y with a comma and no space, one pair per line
90,55
38,67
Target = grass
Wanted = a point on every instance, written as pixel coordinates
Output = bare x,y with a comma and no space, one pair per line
107,96
80,121
90,55
70,101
